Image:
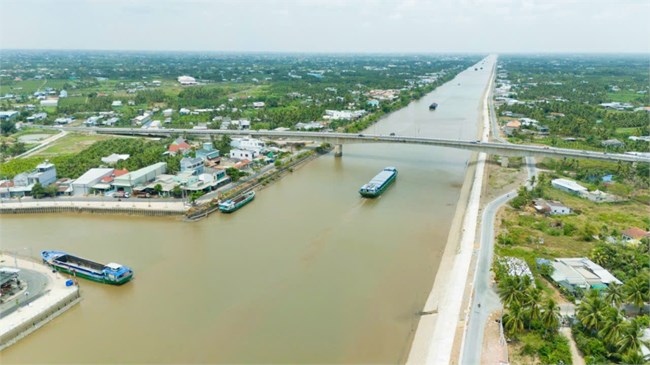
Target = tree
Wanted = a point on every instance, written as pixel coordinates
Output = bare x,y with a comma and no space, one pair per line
612,328
158,189
513,321
532,300
550,316
630,340
590,311
176,191
38,191
7,127
614,295
510,291
636,291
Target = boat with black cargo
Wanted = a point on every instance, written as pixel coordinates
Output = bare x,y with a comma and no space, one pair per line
232,205
110,273
379,183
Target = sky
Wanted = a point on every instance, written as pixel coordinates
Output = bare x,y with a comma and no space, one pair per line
349,26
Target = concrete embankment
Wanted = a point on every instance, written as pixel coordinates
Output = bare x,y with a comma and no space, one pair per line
435,338
30,315
148,208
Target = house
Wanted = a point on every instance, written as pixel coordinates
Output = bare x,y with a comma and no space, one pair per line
114,158
207,152
551,207
195,165
581,274
373,103
634,235
111,121
243,154
116,104
137,179
62,120
184,111
167,113
309,126
63,94
179,145
84,184
35,117
258,104
569,186
511,126
186,80
639,138
9,115
49,102
141,119
612,143
250,144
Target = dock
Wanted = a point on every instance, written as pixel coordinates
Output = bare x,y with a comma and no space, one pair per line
41,296
132,207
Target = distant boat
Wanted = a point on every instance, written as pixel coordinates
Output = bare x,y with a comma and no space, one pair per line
110,273
433,106
379,183
232,205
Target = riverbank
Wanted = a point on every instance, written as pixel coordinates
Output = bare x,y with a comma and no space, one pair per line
127,206
33,310
435,338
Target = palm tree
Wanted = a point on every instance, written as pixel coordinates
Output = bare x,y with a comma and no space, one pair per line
590,311
630,339
636,292
612,327
614,295
510,291
532,300
513,321
550,316
633,357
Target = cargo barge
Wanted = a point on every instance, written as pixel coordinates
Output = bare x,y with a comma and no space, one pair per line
232,205
110,273
379,183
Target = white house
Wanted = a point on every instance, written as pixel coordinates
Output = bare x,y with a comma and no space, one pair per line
50,102
186,80
250,144
551,207
569,186
84,183
243,154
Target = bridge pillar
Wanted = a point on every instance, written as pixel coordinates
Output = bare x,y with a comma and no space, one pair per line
338,150
504,161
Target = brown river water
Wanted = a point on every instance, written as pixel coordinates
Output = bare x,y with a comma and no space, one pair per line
309,272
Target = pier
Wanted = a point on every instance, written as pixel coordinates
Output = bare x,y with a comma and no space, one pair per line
41,296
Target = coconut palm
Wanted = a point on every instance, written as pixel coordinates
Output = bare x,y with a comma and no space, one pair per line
591,310
550,316
630,339
510,291
636,292
532,300
614,295
633,357
513,321
612,327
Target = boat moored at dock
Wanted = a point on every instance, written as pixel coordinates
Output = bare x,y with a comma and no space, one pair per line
110,273
379,183
232,205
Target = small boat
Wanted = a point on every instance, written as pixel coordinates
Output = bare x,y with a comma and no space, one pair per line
110,273
433,106
379,183
232,205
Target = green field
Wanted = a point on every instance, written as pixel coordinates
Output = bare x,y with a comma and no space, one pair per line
72,143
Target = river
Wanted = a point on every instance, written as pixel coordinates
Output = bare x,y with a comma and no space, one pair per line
309,272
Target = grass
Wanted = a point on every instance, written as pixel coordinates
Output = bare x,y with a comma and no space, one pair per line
25,132
632,131
72,143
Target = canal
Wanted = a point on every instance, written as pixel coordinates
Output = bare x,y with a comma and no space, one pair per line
309,272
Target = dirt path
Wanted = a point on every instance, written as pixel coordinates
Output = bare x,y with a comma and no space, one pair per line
576,356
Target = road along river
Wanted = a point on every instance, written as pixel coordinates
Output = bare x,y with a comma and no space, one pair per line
308,272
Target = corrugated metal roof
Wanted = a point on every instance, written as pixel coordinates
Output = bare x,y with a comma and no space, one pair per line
91,175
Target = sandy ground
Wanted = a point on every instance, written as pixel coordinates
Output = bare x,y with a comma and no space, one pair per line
437,332
494,350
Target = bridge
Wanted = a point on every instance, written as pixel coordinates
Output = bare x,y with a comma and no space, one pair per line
338,139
